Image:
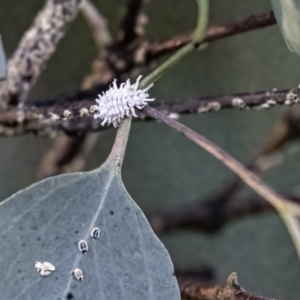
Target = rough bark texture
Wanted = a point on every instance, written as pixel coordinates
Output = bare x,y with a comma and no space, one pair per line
74,117
232,291
35,49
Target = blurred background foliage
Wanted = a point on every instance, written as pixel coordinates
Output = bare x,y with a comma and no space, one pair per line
162,169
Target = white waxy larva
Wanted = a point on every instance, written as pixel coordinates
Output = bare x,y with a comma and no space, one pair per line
118,102
39,266
83,247
95,233
77,274
45,268
49,266
45,272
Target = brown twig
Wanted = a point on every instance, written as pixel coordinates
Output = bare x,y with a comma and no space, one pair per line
124,60
210,216
69,114
247,176
216,210
201,273
35,48
97,23
154,51
68,154
288,210
129,31
257,100
231,291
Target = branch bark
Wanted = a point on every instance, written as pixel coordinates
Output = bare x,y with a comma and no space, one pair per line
209,216
124,59
129,28
74,117
68,154
247,176
35,48
156,50
288,210
231,291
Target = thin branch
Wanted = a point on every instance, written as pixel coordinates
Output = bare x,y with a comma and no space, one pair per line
284,206
257,100
128,31
201,273
35,48
75,117
198,35
251,179
68,154
219,208
203,18
214,33
123,131
232,290
124,61
28,120
210,216
97,24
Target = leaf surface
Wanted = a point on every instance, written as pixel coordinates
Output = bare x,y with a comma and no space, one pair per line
287,14
45,222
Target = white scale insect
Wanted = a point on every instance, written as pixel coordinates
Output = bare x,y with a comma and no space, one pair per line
83,247
77,274
95,233
44,268
118,102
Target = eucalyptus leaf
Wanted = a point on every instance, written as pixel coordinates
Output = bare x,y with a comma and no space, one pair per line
287,13
45,222
3,68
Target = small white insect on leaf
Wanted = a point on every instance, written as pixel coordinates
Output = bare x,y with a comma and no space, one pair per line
44,272
45,268
83,247
49,266
95,233
39,266
118,102
77,274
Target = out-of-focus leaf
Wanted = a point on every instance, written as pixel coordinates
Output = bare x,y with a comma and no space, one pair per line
45,222
2,61
287,14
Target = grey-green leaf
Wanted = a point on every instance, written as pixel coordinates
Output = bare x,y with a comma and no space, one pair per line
2,61
45,222
287,14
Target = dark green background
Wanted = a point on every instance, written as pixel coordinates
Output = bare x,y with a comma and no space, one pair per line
162,169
